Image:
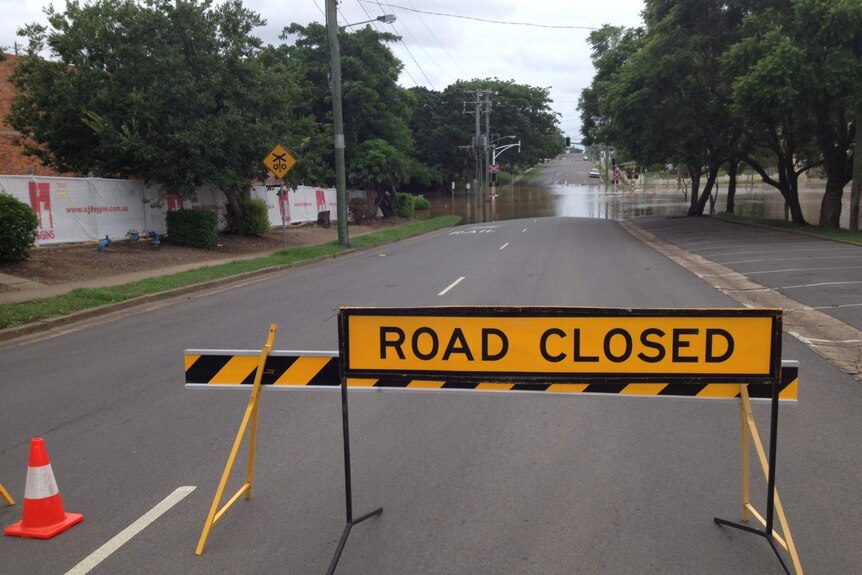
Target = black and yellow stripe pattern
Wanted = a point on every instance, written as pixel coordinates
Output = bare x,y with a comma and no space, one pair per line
309,369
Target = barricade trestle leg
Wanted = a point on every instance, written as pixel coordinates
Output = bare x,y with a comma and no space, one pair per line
773,502
249,419
348,490
5,495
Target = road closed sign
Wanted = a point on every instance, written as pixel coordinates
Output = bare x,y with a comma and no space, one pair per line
562,345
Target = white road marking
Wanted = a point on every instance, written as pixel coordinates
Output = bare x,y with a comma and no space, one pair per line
453,284
504,245
524,230
800,270
815,341
818,285
837,305
126,534
789,259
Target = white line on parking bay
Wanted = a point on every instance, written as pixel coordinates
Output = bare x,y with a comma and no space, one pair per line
126,534
504,245
453,284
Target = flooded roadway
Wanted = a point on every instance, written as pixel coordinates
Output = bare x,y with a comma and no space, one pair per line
562,187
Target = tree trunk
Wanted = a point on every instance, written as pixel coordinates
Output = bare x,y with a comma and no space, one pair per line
235,213
695,172
856,190
830,205
787,184
732,171
707,190
791,196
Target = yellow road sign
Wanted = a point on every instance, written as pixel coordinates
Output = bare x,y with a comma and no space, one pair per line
279,161
562,344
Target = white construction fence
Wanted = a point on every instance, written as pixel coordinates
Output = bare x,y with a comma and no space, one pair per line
88,209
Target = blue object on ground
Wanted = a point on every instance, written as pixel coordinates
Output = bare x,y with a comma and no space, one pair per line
105,243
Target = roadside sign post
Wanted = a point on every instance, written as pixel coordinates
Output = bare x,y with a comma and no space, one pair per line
722,353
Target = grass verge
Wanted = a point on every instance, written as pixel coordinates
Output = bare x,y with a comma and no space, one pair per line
15,314
817,231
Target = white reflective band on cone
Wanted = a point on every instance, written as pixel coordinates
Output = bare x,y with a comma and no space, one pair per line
40,483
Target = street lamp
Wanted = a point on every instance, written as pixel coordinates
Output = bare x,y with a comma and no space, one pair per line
385,18
337,121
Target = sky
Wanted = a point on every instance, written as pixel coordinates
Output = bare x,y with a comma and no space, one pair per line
537,42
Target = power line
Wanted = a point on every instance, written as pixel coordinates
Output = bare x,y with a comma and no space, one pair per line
436,63
374,24
430,83
319,8
562,27
442,47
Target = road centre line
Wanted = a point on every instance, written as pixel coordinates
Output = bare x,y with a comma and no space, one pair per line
453,284
504,245
123,537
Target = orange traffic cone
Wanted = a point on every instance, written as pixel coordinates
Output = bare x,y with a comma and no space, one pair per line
43,508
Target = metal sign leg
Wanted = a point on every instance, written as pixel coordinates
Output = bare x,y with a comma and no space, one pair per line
348,491
773,502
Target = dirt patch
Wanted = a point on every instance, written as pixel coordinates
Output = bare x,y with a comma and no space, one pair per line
53,265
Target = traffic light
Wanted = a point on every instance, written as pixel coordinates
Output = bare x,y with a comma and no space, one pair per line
568,141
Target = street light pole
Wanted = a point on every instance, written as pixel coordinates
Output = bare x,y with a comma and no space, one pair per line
337,121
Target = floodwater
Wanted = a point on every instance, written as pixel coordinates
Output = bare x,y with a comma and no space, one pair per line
607,202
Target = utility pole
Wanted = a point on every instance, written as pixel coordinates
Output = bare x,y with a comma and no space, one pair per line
486,172
856,187
338,122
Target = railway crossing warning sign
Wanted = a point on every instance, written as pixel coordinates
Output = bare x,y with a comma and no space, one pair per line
279,161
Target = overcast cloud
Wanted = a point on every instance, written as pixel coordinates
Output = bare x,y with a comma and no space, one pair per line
438,50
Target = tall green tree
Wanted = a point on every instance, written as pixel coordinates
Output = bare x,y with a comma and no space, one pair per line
380,167
444,132
374,106
169,91
830,33
767,66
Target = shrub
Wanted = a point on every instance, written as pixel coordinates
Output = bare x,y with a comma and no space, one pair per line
253,219
420,203
405,205
358,209
18,225
193,228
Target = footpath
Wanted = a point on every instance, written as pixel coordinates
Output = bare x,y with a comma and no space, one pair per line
21,290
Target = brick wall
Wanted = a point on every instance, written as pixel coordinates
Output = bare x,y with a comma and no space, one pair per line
13,162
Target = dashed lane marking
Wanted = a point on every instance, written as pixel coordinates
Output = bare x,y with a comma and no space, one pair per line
126,534
453,284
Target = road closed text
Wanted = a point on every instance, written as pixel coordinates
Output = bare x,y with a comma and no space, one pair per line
622,345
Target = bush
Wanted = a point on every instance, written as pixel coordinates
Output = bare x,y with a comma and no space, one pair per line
358,209
405,205
420,203
18,225
254,218
193,228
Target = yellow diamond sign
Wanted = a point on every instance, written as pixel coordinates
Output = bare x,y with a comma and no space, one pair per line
279,161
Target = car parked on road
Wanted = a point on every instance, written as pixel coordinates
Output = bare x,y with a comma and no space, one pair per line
594,173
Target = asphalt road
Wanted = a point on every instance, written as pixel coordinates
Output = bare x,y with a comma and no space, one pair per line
469,482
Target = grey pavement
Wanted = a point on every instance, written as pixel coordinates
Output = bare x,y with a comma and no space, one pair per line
816,281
